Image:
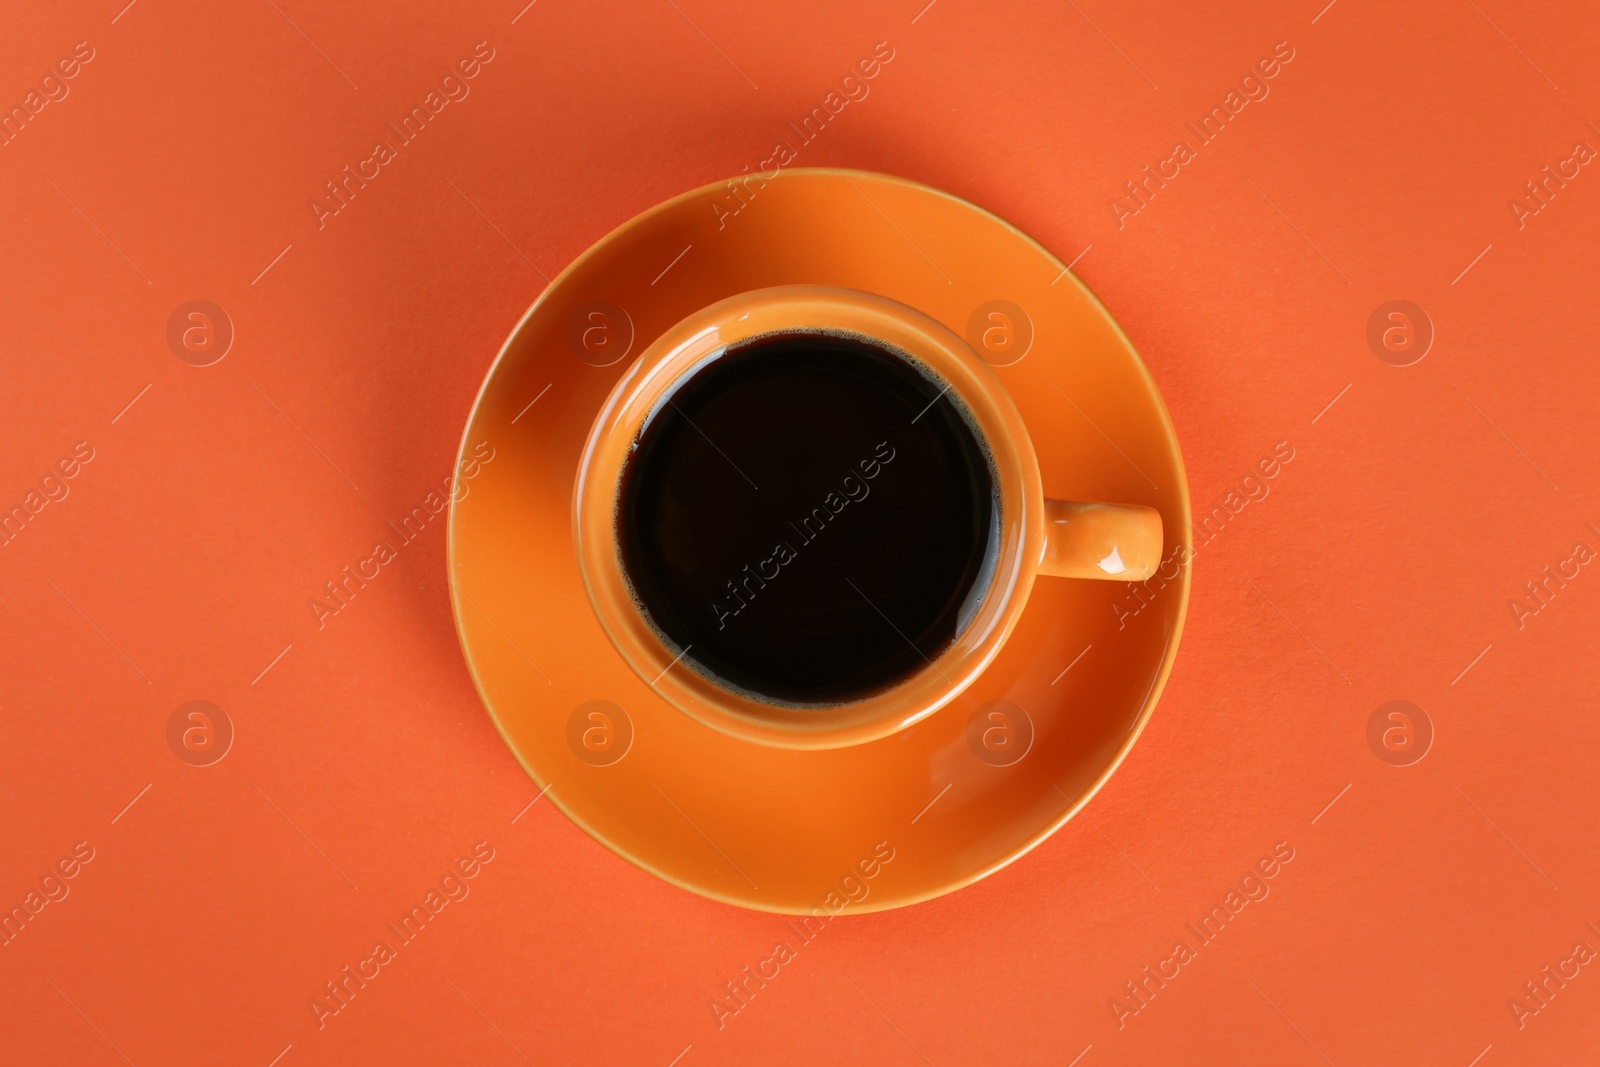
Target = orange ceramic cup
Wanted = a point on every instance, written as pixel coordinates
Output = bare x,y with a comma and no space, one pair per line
1036,535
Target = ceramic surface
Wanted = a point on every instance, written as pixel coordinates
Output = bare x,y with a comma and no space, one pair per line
880,824
1034,536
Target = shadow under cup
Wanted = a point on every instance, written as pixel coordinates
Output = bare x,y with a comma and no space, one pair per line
808,517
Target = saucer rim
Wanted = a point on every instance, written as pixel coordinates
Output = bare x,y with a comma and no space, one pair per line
1046,830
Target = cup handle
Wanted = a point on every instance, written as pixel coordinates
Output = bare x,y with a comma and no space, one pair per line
1118,542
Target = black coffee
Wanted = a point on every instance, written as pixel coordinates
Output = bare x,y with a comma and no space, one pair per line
808,515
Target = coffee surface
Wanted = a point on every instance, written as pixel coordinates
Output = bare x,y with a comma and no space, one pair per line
807,516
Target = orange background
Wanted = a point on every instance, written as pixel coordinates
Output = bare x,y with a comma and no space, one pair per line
179,564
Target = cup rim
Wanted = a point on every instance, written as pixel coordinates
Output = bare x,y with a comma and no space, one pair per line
683,349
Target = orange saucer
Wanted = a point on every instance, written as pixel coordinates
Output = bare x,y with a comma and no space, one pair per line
877,825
